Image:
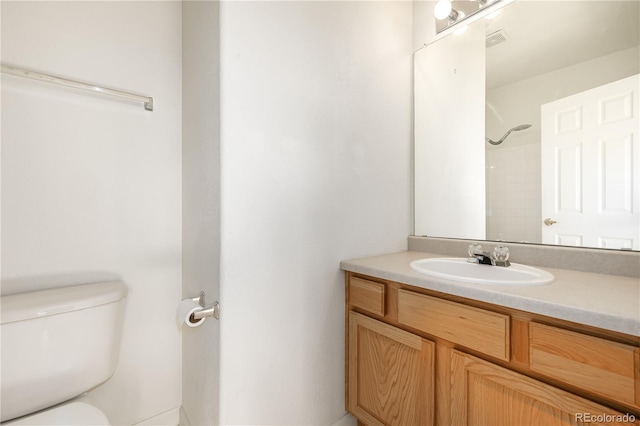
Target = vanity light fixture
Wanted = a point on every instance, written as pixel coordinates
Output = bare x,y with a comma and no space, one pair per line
450,12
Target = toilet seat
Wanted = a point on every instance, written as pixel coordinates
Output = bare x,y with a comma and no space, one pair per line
72,414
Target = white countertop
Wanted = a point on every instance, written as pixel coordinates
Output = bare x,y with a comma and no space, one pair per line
610,302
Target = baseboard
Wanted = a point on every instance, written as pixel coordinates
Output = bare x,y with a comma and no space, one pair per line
168,418
346,420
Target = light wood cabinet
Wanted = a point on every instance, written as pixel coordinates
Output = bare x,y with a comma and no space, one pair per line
483,393
367,295
602,366
471,327
391,374
417,357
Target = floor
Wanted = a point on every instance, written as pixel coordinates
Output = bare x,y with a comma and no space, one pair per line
346,420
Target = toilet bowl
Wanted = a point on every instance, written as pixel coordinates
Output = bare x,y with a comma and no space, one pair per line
56,345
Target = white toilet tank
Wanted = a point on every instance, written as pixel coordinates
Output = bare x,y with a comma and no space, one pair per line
58,344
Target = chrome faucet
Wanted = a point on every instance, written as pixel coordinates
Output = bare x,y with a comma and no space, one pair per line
499,257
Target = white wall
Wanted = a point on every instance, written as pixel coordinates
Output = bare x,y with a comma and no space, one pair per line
424,24
91,186
201,206
316,121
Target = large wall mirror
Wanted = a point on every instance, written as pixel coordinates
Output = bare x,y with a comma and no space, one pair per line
527,128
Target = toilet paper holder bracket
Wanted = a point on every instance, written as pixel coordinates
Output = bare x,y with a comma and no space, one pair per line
205,312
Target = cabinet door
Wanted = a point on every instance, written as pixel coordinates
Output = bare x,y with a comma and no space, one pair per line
390,374
486,394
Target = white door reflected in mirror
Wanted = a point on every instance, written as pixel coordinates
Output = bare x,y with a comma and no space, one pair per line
591,167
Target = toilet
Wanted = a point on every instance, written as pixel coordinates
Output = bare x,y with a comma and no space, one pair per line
56,345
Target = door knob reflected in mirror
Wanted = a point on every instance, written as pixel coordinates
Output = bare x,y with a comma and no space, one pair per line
548,221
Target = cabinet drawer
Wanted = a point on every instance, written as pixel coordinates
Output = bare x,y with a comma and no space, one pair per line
478,329
593,364
367,295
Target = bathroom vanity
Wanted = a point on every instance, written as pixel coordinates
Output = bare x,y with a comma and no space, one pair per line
423,350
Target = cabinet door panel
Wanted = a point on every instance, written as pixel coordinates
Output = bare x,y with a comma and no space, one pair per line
486,394
390,374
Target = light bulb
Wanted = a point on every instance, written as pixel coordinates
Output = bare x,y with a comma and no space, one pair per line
442,9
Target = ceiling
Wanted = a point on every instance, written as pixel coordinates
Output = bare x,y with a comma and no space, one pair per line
543,36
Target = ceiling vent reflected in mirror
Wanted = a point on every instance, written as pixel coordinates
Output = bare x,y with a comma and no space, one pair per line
496,38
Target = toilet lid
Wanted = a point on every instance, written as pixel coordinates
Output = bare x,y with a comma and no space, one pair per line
73,414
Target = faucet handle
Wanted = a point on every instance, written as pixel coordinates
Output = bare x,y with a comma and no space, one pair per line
475,252
474,248
501,255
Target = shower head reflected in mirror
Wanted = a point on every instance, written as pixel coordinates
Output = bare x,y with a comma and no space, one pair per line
515,129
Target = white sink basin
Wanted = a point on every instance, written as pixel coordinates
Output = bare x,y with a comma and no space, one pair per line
458,269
